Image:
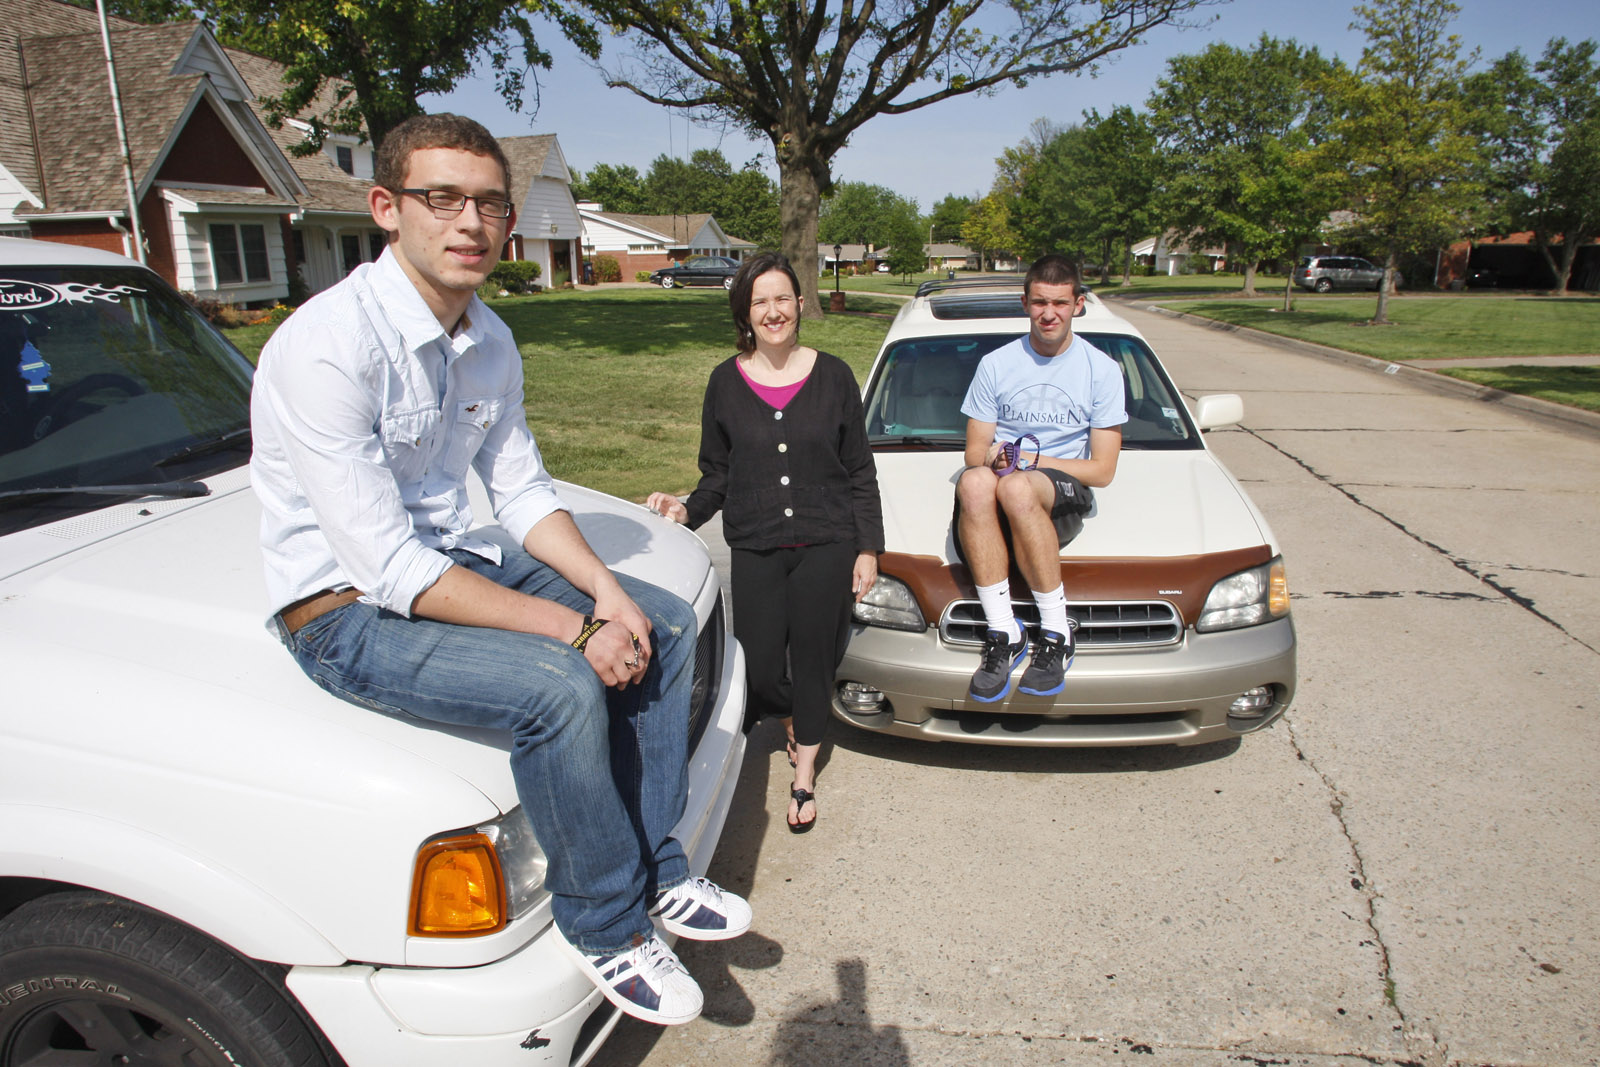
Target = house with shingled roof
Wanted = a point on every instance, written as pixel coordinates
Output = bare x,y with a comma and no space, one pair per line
228,211
548,229
650,242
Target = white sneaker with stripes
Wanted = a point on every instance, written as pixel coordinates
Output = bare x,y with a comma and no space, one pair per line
701,910
647,981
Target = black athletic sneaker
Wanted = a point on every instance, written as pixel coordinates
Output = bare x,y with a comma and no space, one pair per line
992,680
1052,655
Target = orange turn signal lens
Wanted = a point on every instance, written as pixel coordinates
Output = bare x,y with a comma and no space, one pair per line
1277,591
456,889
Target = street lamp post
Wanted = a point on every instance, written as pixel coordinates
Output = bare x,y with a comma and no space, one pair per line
837,301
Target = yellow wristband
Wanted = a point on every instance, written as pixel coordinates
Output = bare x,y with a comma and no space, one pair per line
591,626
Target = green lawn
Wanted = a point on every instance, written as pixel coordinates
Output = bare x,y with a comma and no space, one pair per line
1577,387
1422,326
615,378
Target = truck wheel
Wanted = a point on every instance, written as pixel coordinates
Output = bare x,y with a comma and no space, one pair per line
84,976
667,282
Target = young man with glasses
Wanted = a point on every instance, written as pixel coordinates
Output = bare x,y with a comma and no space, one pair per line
369,405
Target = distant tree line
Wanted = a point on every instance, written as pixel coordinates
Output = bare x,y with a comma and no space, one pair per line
1262,151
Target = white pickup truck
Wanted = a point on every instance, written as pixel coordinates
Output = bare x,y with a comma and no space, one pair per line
204,859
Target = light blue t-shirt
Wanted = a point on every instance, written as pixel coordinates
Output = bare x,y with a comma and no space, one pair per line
1058,398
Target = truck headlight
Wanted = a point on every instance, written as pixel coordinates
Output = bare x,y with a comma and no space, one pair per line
1248,598
476,881
890,604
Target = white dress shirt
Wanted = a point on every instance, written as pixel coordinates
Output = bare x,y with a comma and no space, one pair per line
366,414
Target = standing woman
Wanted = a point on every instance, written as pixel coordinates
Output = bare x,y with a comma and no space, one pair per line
784,457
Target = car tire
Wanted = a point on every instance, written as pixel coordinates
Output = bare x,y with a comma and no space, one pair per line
727,283
1323,285
86,975
668,283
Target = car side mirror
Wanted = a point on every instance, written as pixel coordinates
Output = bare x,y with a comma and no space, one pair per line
1217,410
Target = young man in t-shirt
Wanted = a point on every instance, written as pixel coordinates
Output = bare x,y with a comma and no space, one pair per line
1069,395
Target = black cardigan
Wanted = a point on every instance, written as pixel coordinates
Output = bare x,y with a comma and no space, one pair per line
800,476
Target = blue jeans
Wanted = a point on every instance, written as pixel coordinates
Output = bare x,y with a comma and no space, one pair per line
601,774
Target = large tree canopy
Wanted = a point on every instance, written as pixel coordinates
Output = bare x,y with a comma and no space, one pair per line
1399,148
807,78
1540,126
862,213
1225,116
378,56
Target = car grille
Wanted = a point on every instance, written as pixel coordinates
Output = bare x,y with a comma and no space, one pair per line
707,674
1129,624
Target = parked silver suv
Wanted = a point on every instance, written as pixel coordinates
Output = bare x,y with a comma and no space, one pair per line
1326,273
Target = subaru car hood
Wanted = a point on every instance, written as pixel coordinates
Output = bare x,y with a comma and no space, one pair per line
1161,503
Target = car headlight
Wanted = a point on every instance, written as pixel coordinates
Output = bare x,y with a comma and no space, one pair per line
889,603
477,881
1248,598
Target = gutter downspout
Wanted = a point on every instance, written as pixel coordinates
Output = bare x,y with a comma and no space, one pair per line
116,224
122,137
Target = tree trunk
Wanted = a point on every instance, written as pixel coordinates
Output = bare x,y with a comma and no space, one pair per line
1382,317
1562,268
1127,264
1288,292
798,201
1250,277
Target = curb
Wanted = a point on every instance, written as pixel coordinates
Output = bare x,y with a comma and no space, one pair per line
1558,415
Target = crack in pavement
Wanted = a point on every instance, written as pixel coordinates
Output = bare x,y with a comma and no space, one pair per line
1425,1046
1463,565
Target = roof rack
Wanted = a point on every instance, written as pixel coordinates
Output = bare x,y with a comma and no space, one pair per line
938,284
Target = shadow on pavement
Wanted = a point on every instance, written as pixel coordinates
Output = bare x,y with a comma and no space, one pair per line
1028,760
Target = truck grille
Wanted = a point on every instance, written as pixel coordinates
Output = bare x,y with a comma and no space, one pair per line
1127,624
707,674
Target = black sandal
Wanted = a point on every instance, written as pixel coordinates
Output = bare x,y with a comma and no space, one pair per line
802,797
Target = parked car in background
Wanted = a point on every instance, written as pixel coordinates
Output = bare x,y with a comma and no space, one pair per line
699,270
1326,273
204,858
1176,586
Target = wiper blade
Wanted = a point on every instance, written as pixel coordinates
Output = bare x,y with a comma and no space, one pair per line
200,448
166,489
919,439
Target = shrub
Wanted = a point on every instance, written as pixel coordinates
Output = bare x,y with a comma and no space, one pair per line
560,278
641,276
514,276
225,316
607,269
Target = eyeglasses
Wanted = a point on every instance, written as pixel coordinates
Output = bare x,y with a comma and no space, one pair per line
490,207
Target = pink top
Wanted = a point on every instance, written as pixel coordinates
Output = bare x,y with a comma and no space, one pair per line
775,395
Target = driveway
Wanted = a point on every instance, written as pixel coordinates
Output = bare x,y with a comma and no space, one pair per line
1405,870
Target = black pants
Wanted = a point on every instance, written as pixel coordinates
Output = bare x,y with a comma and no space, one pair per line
791,612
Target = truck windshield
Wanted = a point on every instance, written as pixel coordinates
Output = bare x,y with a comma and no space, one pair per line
107,377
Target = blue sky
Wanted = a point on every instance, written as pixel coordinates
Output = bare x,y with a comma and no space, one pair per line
950,147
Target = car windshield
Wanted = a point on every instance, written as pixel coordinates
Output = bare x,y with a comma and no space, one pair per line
107,379
915,396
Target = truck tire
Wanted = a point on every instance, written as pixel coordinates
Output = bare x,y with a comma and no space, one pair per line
90,976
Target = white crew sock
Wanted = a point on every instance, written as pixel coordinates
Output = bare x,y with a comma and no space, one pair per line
996,602
1052,609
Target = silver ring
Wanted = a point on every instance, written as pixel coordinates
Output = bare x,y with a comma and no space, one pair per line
633,663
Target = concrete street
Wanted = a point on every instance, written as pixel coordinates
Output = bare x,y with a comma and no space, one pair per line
1405,870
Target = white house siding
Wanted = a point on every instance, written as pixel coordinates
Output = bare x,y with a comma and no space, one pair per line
545,217
191,253
602,236
13,194
324,265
